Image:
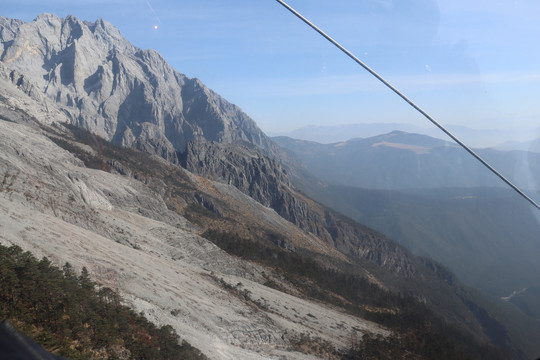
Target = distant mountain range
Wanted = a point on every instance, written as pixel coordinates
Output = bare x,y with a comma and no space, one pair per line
434,198
472,137
400,160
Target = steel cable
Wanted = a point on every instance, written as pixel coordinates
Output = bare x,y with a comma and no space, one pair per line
410,102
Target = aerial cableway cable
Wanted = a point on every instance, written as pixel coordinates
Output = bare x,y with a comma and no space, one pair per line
410,102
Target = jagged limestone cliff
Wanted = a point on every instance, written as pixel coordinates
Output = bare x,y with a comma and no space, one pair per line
122,93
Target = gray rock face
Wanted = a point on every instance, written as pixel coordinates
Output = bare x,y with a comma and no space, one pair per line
122,93
247,169
263,179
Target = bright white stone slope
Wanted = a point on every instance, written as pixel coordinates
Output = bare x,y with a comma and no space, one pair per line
53,206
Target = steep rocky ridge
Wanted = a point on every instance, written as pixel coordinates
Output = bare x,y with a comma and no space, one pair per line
246,168
225,163
266,181
124,94
133,98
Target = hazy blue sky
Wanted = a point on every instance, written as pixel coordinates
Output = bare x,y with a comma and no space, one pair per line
474,63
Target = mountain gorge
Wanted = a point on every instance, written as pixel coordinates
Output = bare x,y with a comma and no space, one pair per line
224,247
133,235
433,198
435,201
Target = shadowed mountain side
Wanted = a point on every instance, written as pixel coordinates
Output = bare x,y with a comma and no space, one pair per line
487,236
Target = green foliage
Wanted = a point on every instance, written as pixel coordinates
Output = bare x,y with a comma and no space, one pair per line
65,313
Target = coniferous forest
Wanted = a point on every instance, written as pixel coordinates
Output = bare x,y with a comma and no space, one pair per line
71,316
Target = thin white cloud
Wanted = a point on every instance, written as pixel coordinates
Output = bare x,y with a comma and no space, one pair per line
342,85
465,79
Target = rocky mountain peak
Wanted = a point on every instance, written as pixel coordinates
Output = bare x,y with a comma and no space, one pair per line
125,94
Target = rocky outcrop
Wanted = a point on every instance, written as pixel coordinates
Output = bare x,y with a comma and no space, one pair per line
122,93
247,169
266,181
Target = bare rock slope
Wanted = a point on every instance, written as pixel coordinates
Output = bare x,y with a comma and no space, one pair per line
124,233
